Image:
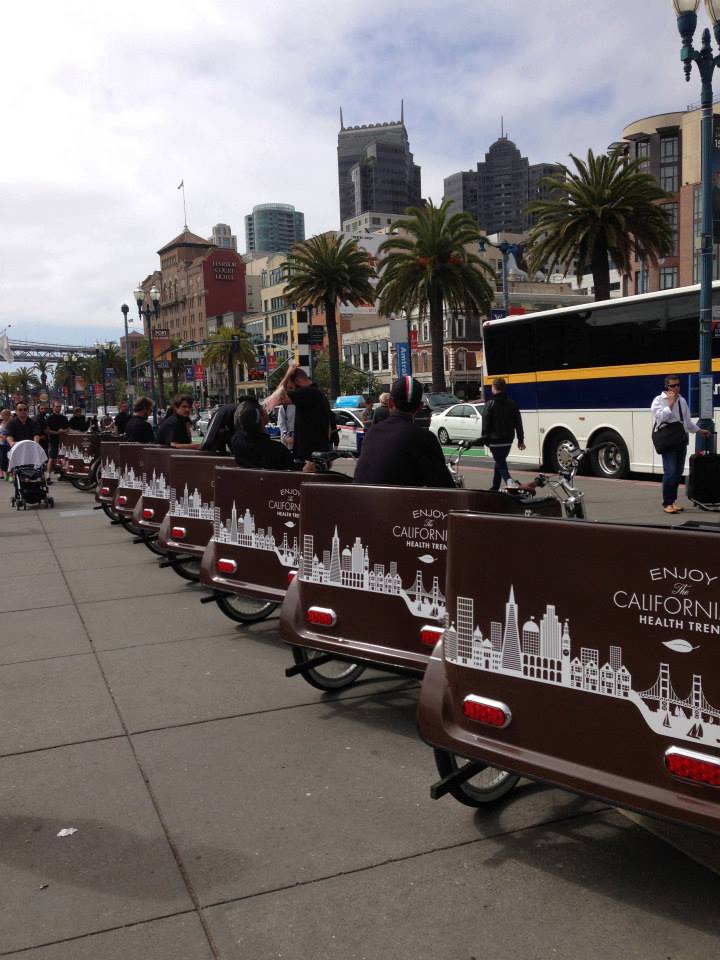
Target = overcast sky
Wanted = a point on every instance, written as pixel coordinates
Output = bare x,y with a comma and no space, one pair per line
106,108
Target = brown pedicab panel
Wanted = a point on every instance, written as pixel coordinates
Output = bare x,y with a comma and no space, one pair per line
373,558
77,452
154,501
606,661
130,467
256,528
188,523
109,471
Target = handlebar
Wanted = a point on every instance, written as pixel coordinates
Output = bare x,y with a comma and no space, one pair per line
322,457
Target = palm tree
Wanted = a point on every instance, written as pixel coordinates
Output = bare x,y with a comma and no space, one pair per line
177,365
8,386
428,268
25,379
606,207
226,348
324,271
41,367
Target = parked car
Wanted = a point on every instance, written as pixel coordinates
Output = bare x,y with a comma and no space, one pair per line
462,421
434,403
350,427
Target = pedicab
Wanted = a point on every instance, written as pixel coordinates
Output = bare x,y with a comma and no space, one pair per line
585,655
371,576
131,467
188,524
154,501
108,476
254,546
78,458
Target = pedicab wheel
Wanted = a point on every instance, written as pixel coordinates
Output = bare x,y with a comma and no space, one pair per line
50,502
487,786
84,483
246,609
333,675
187,567
130,526
109,512
151,542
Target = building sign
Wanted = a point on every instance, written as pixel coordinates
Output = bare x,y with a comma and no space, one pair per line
402,353
161,347
224,269
497,314
199,371
189,374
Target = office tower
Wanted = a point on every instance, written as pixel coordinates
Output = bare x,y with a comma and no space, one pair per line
222,236
273,228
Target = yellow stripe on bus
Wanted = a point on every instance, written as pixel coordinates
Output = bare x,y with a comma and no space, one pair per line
600,373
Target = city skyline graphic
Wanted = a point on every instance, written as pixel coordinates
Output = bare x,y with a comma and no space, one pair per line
157,486
244,532
541,652
191,505
75,453
351,569
109,470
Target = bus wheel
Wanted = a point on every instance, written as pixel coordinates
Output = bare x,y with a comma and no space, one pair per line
552,460
610,457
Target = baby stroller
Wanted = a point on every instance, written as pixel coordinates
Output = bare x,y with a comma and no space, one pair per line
27,465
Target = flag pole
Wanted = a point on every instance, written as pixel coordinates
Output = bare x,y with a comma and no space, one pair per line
181,186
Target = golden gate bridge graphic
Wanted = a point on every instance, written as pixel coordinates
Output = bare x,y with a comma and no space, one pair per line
541,652
243,532
351,569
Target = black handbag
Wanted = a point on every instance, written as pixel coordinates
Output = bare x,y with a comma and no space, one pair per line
669,436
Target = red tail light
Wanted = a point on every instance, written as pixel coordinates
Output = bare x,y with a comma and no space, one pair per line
70,468
291,576
688,765
104,491
122,500
321,616
492,713
178,533
430,635
226,566
148,513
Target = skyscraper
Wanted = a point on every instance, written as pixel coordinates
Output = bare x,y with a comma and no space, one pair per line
222,236
376,170
273,228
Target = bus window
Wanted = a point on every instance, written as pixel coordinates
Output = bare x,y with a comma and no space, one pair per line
509,347
562,342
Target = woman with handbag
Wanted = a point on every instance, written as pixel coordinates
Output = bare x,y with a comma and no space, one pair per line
671,425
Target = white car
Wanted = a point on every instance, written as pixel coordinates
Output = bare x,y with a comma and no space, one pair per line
463,421
350,427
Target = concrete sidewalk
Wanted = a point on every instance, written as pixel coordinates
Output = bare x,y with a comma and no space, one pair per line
223,811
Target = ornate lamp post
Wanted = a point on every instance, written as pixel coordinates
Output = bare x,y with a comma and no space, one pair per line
125,309
504,247
686,12
148,315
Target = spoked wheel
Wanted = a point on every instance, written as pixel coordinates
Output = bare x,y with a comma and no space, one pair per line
246,609
109,512
443,436
84,483
333,675
187,567
151,542
487,786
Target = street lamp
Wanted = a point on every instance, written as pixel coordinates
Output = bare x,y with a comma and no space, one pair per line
149,315
686,12
505,249
125,309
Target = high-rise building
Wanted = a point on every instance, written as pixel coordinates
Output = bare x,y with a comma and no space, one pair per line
273,228
222,236
376,170
497,193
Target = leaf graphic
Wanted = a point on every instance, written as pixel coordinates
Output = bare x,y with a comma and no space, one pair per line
679,645
289,523
426,558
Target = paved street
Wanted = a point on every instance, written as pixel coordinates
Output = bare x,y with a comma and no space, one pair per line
224,811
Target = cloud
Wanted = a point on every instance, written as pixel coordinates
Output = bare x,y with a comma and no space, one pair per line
104,115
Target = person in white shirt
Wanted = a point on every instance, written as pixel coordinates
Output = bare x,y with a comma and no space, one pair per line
286,422
667,407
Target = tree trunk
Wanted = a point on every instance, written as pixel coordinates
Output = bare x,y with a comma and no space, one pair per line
160,374
436,341
601,274
231,377
175,382
333,351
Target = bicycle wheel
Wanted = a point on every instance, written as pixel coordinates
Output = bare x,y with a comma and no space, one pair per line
131,527
84,483
333,675
243,609
187,567
109,512
151,542
487,786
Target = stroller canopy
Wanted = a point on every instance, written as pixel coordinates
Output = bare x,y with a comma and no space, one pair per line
26,453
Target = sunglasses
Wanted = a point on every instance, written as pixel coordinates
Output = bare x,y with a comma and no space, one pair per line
673,386
21,409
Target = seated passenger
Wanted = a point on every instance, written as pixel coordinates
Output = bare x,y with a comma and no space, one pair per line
251,445
220,430
175,429
398,452
137,429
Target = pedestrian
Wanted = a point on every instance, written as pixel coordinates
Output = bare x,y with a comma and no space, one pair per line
671,413
367,412
286,422
382,410
41,421
122,417
5,416
176,429
312,413
137,429
78,421
501,423
22,426
55,424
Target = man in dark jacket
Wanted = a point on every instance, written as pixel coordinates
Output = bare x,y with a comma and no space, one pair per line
137,429
312,414
22,426
122,418
501,422
397,452
175,429
251,445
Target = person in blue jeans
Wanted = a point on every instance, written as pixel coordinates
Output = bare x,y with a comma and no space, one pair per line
501,423
667,407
